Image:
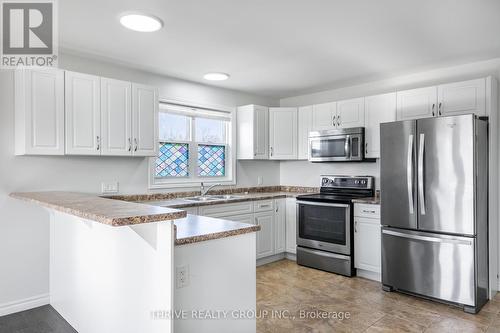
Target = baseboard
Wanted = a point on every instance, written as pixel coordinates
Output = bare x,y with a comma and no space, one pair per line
270,259
291,256
24,304
368,275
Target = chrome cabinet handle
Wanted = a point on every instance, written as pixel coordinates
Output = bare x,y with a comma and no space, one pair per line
409,172
366,147
433,107
368,211
136,144
421,196
338,120
333,121
355,226
440,108
98,142
271,149
129,144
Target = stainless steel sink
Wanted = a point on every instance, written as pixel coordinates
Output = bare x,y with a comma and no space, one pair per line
212,197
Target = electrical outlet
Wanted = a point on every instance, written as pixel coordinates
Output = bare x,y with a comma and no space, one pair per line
260,180
109,187
182,276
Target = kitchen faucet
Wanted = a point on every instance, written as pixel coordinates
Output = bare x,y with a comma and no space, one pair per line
204,192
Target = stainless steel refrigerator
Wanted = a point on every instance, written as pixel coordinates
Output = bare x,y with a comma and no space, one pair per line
434,213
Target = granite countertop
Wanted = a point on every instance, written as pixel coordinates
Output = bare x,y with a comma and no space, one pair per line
106,211
370,200
194,229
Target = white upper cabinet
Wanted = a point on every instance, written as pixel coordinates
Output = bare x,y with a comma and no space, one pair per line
144,120
305,118
283,133
378,109
83,114
116,117
324,116
351,113
253,132
462,97
39,111
416,103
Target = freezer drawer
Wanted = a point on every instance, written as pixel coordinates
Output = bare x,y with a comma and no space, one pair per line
433,265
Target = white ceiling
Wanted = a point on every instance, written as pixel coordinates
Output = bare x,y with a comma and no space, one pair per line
282,48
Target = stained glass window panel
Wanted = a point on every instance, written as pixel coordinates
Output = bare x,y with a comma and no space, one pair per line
211,160
173,160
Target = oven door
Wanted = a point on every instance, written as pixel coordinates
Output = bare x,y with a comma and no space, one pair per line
324,226
346,147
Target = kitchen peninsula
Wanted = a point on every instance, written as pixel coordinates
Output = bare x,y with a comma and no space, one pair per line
112,262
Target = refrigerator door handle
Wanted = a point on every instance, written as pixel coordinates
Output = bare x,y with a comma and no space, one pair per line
409,172
421,196
428,238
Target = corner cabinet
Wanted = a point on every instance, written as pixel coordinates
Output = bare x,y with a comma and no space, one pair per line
283,133
253,132
62,112
39,111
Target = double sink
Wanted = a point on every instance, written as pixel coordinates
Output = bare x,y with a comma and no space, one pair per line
205,198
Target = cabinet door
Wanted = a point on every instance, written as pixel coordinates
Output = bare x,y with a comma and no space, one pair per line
367,246
462,97
324,116
280,226
416,103
291,225
116,117
351,113
144,120
304,127
39,106
265,236
83,113
378,109
261,132
283,133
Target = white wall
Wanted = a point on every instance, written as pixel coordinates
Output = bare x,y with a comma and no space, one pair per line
24,237
307,174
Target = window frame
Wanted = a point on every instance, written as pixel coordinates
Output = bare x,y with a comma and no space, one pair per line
193,180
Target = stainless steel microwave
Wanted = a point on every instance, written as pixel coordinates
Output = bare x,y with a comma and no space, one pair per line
337,145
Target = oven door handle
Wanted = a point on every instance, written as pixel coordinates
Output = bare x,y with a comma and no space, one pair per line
310,203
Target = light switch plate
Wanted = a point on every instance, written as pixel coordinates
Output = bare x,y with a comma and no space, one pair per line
109,187
182,276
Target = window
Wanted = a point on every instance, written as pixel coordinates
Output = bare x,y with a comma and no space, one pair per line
195,145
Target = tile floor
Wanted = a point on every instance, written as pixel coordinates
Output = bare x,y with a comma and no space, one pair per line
286,289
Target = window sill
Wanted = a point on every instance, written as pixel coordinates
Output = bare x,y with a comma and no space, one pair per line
189,184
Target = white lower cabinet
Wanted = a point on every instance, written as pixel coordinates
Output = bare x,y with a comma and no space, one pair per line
367,242
265,237
279,226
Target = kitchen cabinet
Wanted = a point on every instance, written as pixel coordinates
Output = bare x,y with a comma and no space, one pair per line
324,116
116,117
253,132
378,109
83,113
367,240
246,218
416,103
305,125
283,133
265,237
350,113
144,120
443,100
462,97
39,111
291,225
280,226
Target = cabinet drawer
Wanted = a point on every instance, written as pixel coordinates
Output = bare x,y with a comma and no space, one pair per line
263,205
367,210
226,209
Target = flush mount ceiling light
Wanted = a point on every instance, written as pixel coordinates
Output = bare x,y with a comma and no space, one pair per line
141,22
216,76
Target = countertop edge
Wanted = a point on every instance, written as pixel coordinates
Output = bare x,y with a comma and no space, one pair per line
216,235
